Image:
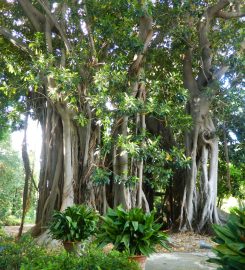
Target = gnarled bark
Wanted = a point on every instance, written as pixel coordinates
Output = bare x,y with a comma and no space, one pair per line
199,197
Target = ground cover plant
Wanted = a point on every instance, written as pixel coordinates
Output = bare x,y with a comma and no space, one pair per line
26,255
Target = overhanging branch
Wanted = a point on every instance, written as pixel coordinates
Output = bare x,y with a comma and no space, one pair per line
14,40
57,25
34,15
189,80
219,73
229,15
212,11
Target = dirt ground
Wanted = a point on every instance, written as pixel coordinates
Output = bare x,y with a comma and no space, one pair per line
189,242
13,230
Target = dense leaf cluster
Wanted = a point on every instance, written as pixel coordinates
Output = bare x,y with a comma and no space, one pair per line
131,231
76,223
26,255
231,242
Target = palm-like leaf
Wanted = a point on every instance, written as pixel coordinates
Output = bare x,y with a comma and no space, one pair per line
231,242
76,223
132,231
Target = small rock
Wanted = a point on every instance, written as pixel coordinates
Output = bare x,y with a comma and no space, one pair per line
108,248
204,245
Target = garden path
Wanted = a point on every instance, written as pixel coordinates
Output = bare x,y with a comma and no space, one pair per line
180,261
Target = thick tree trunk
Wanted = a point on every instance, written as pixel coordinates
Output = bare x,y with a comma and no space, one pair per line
199,202
199,198
121,192
67,159
68,146
51,177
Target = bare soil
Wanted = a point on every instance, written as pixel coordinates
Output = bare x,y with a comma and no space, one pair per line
13,230
187,242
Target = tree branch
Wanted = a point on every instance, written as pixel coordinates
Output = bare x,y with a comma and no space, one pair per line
34,15
229,15
48,36
145,36
211,11
189,80
219,73
15,41
57,25
90,34
206,74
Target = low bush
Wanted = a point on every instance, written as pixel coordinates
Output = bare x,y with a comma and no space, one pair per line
76,223
2,233
11,221
132,231
230,250
26,255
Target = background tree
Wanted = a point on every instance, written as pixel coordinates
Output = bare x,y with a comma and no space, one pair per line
199,199
11,180
104,79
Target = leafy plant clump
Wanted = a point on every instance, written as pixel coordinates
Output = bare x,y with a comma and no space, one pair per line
133,231
26,255
231,242
76,223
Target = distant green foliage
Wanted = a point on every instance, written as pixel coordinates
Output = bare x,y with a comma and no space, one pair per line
26,255
11,182
2,233
76,223
11,221
237,176
131,231
231,242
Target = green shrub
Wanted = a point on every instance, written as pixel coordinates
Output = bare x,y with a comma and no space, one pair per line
2,233
13,254
26,255
133,231
230,250
11,221
76,223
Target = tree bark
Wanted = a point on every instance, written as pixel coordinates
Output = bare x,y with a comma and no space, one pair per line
199,197
28,176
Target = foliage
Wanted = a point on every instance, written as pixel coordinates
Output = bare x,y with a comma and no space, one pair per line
2,233
93,82
11,182
133,231
76,223
237,176
11,221
231,242
230,106
101,176
26,255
